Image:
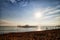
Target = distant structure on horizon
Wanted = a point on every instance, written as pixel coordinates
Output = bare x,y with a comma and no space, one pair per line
26,26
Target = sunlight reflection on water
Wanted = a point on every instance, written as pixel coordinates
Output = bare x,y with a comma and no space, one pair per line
19,29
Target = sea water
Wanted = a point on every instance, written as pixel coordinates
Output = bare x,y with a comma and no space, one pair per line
8,29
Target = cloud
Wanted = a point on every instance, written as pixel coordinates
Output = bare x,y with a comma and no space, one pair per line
6,23
51,16
52,12
49,10
20,2
12,1
13,4
3,22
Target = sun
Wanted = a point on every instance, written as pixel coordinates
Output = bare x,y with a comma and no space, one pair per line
38,15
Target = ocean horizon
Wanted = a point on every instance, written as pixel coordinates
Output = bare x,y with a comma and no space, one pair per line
9,29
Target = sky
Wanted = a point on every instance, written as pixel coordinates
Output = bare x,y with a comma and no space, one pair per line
29,12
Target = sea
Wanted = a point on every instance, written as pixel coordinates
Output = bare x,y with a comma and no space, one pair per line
9,29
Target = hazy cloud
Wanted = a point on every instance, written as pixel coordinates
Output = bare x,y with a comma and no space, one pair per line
52,12
12,1
23,11
6,23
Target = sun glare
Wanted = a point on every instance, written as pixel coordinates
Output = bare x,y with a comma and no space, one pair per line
38,15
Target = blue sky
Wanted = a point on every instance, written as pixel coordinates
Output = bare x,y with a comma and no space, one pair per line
31,12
